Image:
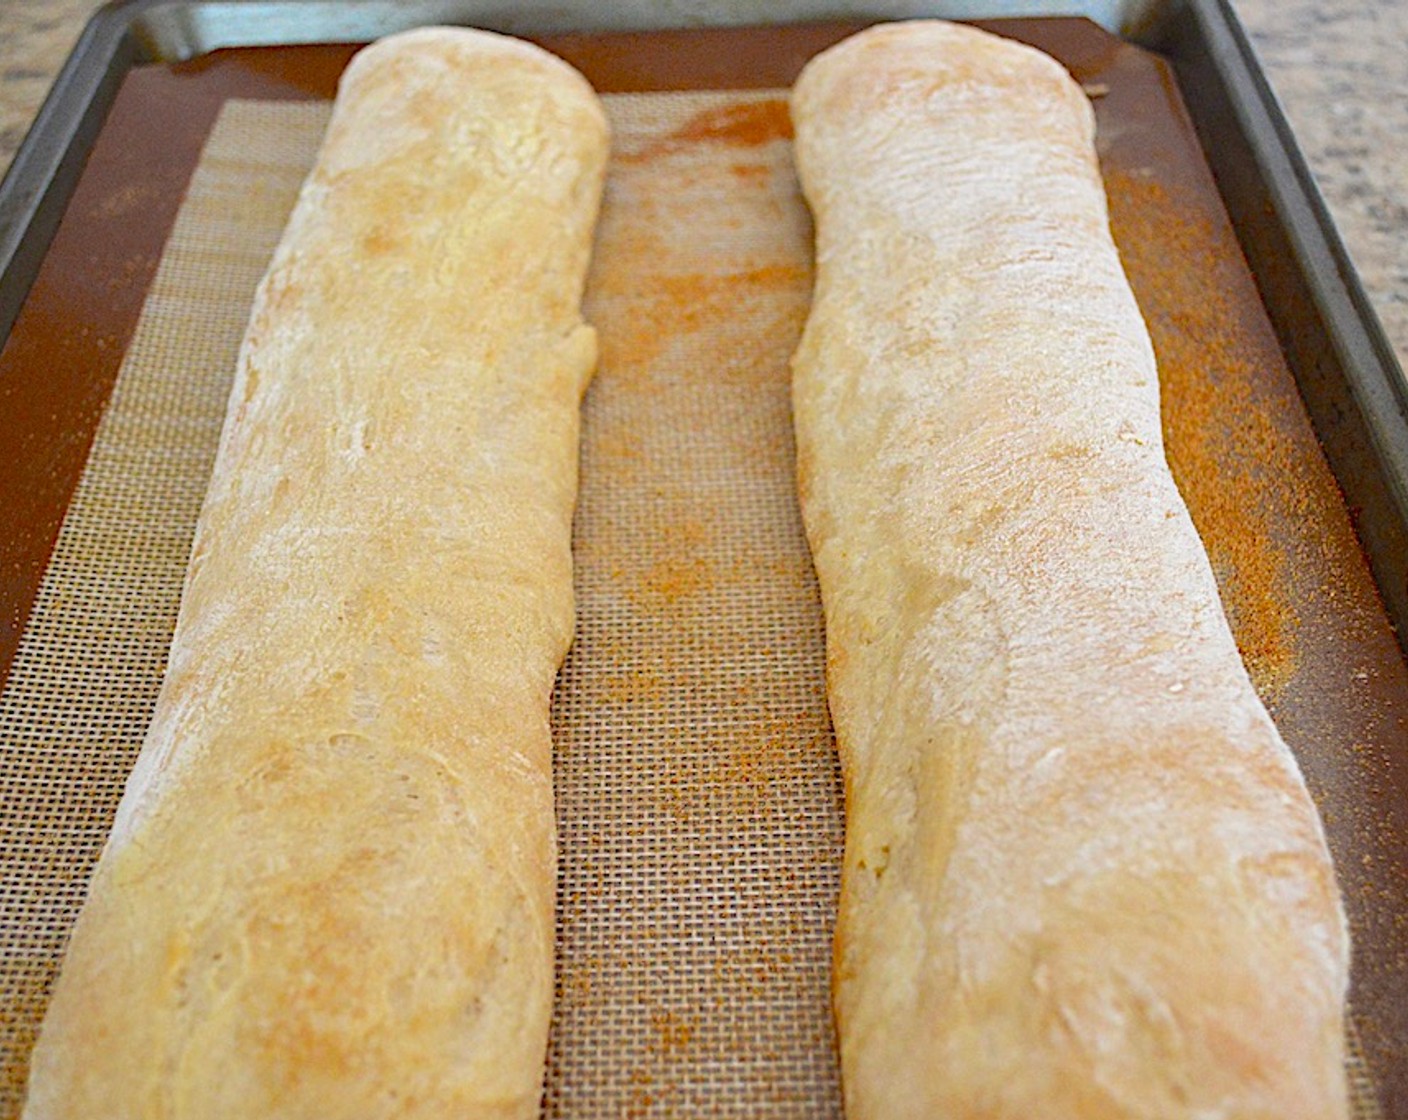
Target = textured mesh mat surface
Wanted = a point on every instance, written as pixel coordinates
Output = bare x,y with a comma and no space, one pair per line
698,799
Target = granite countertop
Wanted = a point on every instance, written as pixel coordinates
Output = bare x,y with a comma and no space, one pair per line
1337,67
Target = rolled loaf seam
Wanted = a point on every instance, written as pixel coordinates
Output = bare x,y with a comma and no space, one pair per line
1083,876
329,888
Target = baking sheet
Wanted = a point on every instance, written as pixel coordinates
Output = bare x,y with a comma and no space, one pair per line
1299,593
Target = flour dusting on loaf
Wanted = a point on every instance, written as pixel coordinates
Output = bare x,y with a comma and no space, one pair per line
329,889
1083,876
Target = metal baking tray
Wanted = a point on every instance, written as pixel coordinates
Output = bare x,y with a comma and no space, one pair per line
1343,366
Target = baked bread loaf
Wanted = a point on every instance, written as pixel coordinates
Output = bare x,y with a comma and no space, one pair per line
329,888
1083,877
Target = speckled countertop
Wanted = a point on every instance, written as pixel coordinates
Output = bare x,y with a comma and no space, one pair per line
1337,66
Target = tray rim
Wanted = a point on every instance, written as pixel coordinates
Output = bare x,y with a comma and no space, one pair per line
1362,424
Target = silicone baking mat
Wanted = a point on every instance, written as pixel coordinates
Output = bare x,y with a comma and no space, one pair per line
698,798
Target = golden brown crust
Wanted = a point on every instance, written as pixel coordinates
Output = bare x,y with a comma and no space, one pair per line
1083,876
328,892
